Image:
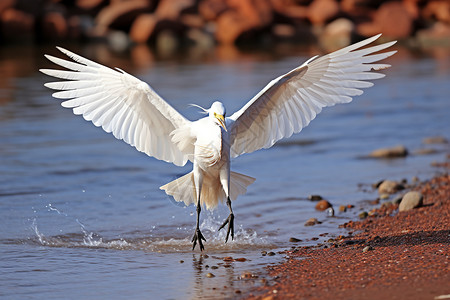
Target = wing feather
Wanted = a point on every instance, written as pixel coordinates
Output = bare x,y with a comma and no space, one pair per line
119,103
290,102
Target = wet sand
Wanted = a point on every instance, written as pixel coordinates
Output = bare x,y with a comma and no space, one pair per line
389,255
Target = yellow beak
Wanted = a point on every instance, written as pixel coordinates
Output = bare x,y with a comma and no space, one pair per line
221,121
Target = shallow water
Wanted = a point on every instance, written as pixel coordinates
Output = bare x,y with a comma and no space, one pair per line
81,213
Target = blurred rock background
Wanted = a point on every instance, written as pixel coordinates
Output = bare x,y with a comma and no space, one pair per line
171,24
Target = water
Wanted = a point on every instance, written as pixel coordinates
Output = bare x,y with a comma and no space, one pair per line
82,215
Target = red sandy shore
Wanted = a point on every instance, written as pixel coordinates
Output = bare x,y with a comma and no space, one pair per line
389,256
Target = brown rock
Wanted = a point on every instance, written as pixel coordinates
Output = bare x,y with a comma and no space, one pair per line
291,9
244,16
143,28
54,26
397,151
437,10
394,20
120,15
323,205
321,11
6,4
172,9
88,5
211,9
312,222
17,25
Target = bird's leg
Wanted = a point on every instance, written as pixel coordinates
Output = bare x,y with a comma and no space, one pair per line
198,236
229,221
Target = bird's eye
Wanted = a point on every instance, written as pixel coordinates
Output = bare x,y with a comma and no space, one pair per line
215,115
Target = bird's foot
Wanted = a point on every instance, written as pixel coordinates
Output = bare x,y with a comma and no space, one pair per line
198,237
230,222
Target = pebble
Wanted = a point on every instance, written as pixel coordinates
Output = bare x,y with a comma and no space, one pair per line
330,212
367,248
210,275
241,259
397,151
389,187
271,253
363,215
315,197
435,140
384,196
311,222
323,205
263,253
342,208
410,201
294,240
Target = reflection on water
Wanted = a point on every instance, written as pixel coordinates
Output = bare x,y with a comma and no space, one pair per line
82,215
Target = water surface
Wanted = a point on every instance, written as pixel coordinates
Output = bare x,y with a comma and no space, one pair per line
82,215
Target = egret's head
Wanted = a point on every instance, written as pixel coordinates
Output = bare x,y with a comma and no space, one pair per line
217,113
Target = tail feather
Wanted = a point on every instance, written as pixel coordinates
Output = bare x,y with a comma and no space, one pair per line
183,189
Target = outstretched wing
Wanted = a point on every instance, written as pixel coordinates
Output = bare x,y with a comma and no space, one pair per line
119,103
288,103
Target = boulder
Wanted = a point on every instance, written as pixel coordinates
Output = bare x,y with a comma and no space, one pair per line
143,28
245,16
54,26
120,15
17,25
392,19
321,11
437,10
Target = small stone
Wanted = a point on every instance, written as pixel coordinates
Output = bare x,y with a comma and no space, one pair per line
294,240
241,259
228,258
323,205
389,187
397,151
367,248
363,215
342,208
410,201
315,197
435,140
271,253
263,253
210,275
384,196
214,267
425,151
350,206
181,261
330,212
311,222
246,275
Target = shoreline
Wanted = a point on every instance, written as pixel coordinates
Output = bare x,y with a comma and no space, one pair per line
388,255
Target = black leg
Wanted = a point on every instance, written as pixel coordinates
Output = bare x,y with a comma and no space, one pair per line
198,236
229,221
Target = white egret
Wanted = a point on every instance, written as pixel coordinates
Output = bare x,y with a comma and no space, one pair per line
132,111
